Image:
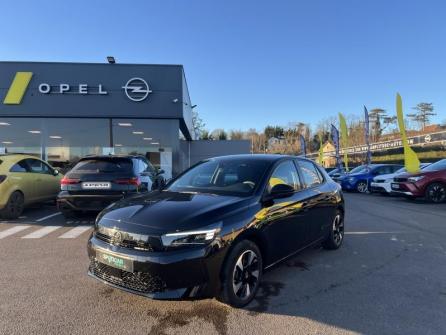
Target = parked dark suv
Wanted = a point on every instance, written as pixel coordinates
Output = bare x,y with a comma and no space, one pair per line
215,228
97,181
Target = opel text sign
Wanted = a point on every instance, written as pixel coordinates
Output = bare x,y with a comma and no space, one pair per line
137,89
82,89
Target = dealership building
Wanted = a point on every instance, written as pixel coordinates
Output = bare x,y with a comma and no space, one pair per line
64,111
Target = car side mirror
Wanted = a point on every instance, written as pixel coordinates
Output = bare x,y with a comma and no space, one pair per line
56,172
280,191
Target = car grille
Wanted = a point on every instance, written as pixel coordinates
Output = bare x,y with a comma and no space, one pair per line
400,180
129,244
141,282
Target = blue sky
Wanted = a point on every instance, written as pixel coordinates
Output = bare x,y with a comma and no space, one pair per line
253,63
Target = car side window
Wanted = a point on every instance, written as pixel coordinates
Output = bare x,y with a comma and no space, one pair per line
138,168
285,173
37,166
149,167
20,167
143,165
385,170
310,173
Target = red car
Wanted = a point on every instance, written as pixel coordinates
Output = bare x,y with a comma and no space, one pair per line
429,183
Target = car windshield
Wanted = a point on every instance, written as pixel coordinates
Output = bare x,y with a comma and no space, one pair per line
109,165
227,177
358,169
440,165
402,170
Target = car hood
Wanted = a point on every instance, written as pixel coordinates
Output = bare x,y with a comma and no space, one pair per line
385,176
355,175
162,212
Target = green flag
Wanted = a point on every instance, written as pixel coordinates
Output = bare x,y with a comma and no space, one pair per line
321,151
344,138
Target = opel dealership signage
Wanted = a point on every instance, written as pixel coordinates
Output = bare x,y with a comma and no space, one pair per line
137,89
33,89
82,89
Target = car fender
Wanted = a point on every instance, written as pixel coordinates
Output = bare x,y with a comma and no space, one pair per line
7,190
431,181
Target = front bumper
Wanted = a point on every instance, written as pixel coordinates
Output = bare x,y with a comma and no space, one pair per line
174,274
407,189
86,202
380,187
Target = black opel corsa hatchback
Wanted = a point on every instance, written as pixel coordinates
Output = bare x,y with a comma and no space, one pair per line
214,229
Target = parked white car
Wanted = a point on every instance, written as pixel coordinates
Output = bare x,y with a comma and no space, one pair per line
382,183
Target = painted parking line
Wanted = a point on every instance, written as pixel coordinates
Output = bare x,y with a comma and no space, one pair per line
42,232
80,222
48,217
75,232
12,231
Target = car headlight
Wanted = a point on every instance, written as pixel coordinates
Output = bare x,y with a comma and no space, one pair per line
193,237
415,179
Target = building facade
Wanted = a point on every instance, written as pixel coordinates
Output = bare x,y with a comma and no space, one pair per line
64,111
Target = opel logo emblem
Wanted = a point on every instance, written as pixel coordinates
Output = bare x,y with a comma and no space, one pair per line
137,89
117,238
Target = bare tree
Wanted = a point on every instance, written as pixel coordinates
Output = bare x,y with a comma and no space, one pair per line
424,111
375,116
236,135
219,134
197,124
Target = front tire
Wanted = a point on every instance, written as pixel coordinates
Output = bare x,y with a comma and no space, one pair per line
14,207
336,236
242,272
436,193
362,186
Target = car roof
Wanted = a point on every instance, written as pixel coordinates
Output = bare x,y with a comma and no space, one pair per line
110,156
255,157
15,157
382,164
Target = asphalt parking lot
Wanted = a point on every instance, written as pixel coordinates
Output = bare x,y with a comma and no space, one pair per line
388,278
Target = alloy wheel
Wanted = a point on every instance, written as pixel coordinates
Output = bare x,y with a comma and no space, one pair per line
15,204
338,229
437,193
246,274
361,187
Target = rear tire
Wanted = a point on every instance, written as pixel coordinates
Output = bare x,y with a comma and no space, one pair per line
436,193
242,273
14,207
336,236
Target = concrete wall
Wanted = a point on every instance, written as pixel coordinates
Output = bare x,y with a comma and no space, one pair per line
191,152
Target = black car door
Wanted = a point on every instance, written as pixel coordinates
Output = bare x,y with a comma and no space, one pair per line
284,220
319,200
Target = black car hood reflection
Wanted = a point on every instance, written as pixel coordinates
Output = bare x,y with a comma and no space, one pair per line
162,212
